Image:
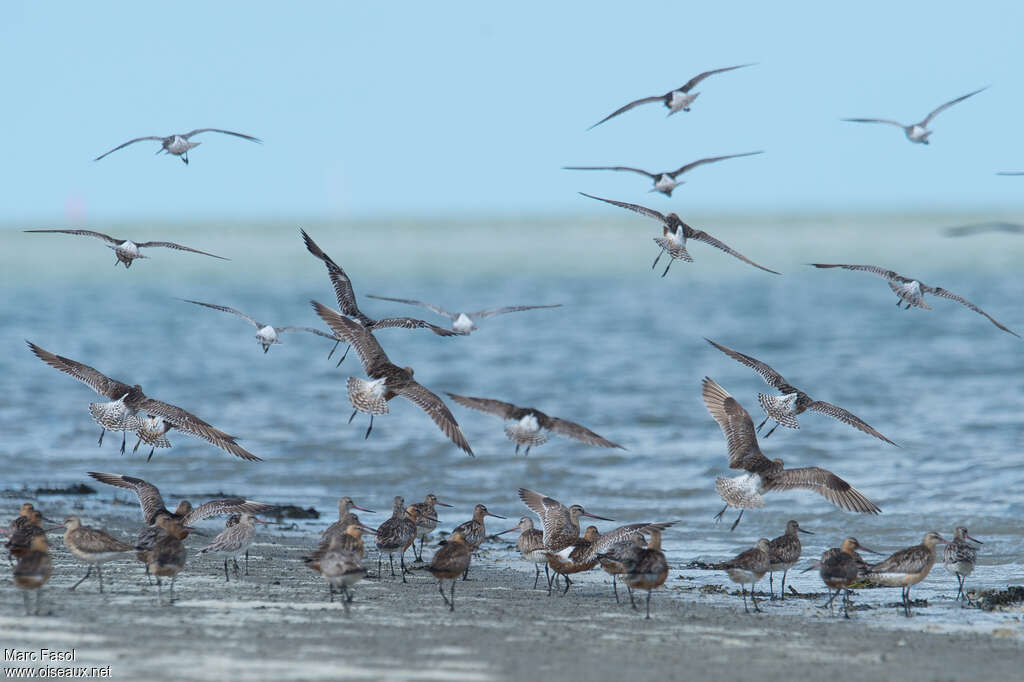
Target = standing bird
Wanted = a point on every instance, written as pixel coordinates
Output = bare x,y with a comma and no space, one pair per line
783,553
618,549
427,522
93,547
266,334
840,568
166,557
763,474
387,379
234,540
349,539
126,250
912,291
959,557
179,144
473,531
746,568
674,235
346,296
648,570
345,517
396,535
666,181
917,132
785,408
339,566
676,100
531,546
32,571
23,530
449,562
578,557
162,417
907,567
462,323
530,422
561,524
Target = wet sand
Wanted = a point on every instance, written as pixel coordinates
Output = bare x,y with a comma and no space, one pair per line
277,624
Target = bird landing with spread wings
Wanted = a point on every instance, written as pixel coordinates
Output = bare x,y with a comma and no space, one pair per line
387,379
674,235
530,424
763,474
785,408
128,402
126,250
912,291
676,100
179,144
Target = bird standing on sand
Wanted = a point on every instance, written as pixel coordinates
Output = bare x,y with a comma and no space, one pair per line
912,291
266,334
561,524
126,250
32,571
674,235
666,181
427,522
648,569
93,547
530,423
449,562
234,540
783,553
763,474
840,568
339,566
676,100
473,531
166,557
917,132
959,557
179,144
746,568
907,567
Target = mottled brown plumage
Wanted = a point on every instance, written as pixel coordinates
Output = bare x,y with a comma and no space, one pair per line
783,553
907,567
93,547
746,568
32,571
648,569
449,562
561,524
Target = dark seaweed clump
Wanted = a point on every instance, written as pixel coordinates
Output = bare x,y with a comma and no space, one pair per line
77,489
990,600
290,511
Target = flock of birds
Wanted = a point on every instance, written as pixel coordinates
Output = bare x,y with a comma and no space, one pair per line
632,552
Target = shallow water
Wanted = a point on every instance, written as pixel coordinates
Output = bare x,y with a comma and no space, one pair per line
625,357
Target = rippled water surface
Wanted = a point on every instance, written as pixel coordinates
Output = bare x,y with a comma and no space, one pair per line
624,356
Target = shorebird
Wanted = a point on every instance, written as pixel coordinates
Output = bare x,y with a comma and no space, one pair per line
665,181
530,423
648,570
917,132
959,557
462,323
449,562
387,379
346,296
907,567
912,291
578,557
350,538
396,534
166,557
152,502
473,531
126,250
674,235
561,524
676,100
616,550
93,547
427,522
179,144
162,416
32,571
783,553
266,334
617,559
746,568
763,474
980,228
234,540
1009,172
339,565
785,408
840,568
531,546
24,529
345,517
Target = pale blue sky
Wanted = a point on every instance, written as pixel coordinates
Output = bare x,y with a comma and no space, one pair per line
470,109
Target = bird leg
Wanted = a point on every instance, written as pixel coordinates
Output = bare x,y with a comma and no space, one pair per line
354,412
762,424
247,562
657,259
451,606
667,267
25,597
906,601
782,592
184,158
536,575
631,602
171,600
151,451
567,584
718,516
753,597
771,588
370,428
99,572
615,587
846,604
330,590
465,574
828,604
770,432
226,579
648,605
87,574
743,591
124,436
391,558
402,564
440,588
103,430
333,349
737,521
343,355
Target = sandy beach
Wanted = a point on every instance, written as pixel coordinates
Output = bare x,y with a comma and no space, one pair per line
277,624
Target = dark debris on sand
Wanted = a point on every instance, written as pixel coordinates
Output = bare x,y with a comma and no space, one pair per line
990,600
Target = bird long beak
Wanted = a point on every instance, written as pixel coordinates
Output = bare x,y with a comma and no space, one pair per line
816,564
862,548
195,531
48,520
428,517
442,504
973,539
495,515
59,526
367,529
595,516
265,523
801,530
356,506
508,531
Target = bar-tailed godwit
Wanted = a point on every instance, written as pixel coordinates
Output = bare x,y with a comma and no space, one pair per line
93,547
126,250
917,132
959,557
907,567
178,144
449,562
664,181
266,334
234,540
32,571
427,510
463,322
746,568
783,553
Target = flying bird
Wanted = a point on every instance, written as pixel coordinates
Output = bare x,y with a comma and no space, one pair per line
179,144
917,132
763,474
979,228
387,379
912,291
674,235
676,100
531,423
347,301
1009,172
126,250
664,182
160,417
462,323
785,408
267,334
